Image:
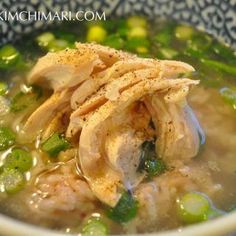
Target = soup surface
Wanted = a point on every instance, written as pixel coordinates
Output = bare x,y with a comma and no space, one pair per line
40,180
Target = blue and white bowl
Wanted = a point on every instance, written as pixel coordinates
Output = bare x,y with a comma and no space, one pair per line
217,17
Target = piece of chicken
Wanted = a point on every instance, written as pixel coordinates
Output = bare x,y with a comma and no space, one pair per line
178,136
65,71
102,86
104,179
110,91
58,124
44,114
88,68
118,78
108,55
118,69
70,67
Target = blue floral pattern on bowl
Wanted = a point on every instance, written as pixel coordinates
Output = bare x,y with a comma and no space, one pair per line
218,17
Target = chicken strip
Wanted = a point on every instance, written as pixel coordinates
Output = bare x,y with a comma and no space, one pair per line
63,72
64,69
117,81
111,98
42,116
111,91
105,180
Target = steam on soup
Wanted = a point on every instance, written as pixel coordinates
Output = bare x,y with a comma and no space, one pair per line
98,140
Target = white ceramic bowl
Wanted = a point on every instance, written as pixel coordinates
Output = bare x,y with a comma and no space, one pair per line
218,227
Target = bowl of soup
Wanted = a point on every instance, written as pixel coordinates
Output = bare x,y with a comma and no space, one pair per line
120,124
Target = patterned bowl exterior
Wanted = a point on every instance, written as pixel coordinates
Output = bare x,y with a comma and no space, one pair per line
215,16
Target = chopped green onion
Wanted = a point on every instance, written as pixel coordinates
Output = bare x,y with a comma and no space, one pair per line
114,41
137,32
154,167
142,50
134,43
163,37
48,41
125,210
67,36
12,180
18,159
9,57
224,51
122,31
167,53
193,53
184,32
229,96
193,208
7,138
110,24
23,100
55,144
3,88
230,69
97,34
95,226
44,39
200,42
198,46
136,21
58,45
149,161
117,26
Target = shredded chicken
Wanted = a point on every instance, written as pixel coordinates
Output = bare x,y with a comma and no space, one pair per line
99,88
64,69
44,115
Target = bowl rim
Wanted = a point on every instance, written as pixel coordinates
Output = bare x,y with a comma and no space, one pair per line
219,226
